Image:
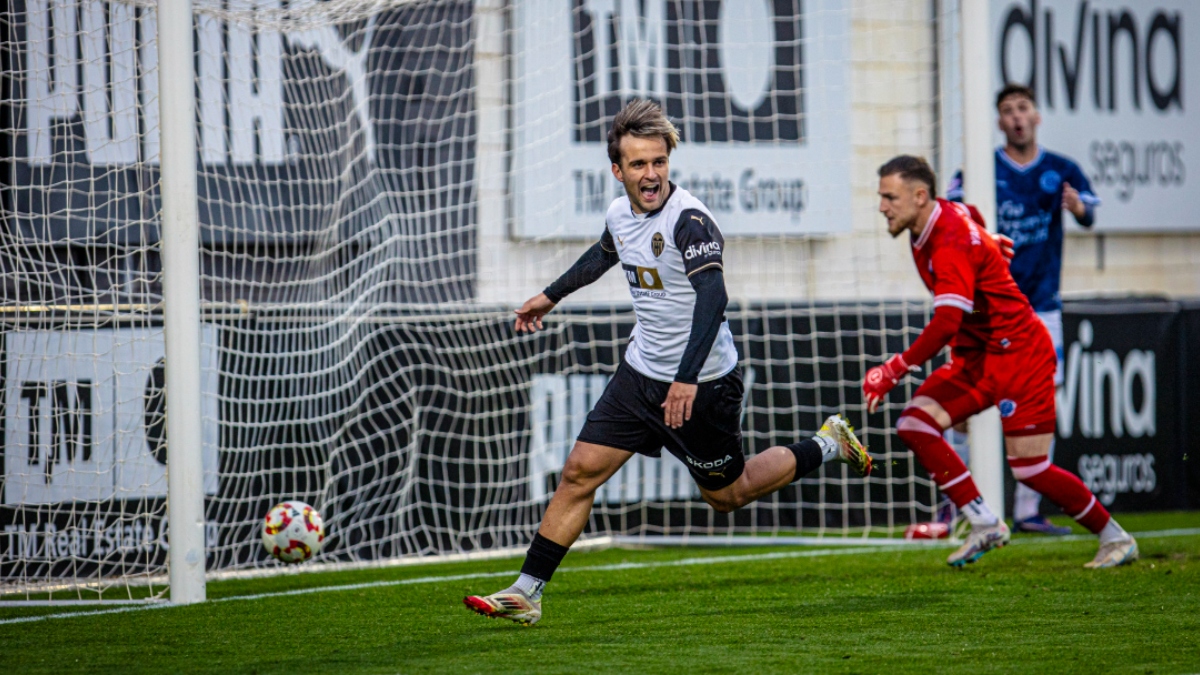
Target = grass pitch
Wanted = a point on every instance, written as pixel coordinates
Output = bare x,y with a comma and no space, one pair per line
1030,607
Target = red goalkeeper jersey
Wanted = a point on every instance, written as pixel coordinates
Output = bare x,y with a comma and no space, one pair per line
962,266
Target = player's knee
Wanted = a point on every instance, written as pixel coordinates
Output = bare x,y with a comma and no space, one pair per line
722,502
916,426
580,475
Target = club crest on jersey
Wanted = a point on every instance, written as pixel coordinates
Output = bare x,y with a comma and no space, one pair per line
1007,407
643,277
657,244
1050,182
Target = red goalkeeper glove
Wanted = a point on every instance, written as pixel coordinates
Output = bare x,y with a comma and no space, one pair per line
881,379
1006,246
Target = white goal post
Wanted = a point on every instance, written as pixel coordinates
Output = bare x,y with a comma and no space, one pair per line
305,224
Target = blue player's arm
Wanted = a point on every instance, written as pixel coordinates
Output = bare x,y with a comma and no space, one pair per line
954,191
1083,193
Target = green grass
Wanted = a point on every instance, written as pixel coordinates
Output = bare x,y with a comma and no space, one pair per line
1027,608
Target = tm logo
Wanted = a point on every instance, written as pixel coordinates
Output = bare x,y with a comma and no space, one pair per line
65,410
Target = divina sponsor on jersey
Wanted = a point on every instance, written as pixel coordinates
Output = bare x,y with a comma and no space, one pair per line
698,250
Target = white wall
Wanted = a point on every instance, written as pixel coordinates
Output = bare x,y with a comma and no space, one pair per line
892,111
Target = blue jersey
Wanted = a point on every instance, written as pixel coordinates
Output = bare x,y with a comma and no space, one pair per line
1029,211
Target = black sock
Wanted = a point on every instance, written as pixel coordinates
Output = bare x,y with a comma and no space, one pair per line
809,457
543,558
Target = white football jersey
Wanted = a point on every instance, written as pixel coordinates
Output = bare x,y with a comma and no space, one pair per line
659,251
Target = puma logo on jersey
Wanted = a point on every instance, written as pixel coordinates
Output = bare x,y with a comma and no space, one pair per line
702,250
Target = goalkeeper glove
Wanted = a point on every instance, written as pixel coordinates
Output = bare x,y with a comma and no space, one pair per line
881,379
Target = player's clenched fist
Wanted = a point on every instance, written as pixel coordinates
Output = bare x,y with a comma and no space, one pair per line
881,379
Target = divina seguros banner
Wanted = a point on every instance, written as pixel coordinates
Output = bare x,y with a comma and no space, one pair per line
1111,80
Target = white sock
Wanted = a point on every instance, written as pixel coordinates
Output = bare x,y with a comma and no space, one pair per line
531,586
1113,532
979,513
829,447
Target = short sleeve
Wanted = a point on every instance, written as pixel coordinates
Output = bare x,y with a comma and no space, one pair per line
1079,181
953,278
699,241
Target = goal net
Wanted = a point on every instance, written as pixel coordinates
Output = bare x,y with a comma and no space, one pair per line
379,183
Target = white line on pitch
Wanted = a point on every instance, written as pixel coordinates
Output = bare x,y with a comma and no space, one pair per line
708,560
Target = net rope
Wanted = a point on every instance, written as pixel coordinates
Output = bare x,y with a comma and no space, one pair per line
357,286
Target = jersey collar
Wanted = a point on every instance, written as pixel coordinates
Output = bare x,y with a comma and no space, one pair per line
937,211
1020,168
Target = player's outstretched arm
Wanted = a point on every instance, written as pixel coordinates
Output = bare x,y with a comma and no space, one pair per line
529,316
591,266
937,334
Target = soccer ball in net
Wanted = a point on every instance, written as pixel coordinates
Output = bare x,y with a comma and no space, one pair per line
293,532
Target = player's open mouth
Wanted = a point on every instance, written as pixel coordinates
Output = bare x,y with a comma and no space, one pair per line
650,192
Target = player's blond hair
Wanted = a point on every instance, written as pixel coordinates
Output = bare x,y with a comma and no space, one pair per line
643,119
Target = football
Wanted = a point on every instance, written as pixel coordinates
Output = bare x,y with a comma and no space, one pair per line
293,532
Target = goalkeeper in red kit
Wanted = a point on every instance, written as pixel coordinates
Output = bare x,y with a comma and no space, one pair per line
1001,355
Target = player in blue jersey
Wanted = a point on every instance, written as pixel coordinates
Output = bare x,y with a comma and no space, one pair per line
1033,188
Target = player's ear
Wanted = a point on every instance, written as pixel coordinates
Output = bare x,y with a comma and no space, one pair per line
616,169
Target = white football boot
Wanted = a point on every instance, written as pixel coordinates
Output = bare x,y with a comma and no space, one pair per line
850,450
980,541
1114,554
511,603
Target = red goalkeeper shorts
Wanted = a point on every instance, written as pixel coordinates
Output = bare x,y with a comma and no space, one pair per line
1020,383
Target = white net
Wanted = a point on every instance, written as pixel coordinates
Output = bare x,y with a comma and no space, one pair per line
379,183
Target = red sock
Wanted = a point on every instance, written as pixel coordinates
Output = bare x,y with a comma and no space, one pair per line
922,434
1063,488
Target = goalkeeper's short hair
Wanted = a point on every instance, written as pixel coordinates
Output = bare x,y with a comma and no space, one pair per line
910,168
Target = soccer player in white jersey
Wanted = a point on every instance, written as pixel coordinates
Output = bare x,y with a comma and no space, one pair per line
679,386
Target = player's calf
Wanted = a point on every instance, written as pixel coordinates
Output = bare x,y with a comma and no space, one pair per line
1063,488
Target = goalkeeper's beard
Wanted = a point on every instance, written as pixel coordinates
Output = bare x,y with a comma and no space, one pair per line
896,229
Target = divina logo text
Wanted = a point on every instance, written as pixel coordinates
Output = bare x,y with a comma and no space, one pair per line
699,250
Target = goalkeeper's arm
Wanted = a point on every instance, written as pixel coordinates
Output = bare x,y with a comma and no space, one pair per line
937,334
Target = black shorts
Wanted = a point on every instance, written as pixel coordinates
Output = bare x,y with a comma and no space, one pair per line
629,416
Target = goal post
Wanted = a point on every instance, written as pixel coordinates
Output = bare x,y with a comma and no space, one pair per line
260,250
979,186
181,302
